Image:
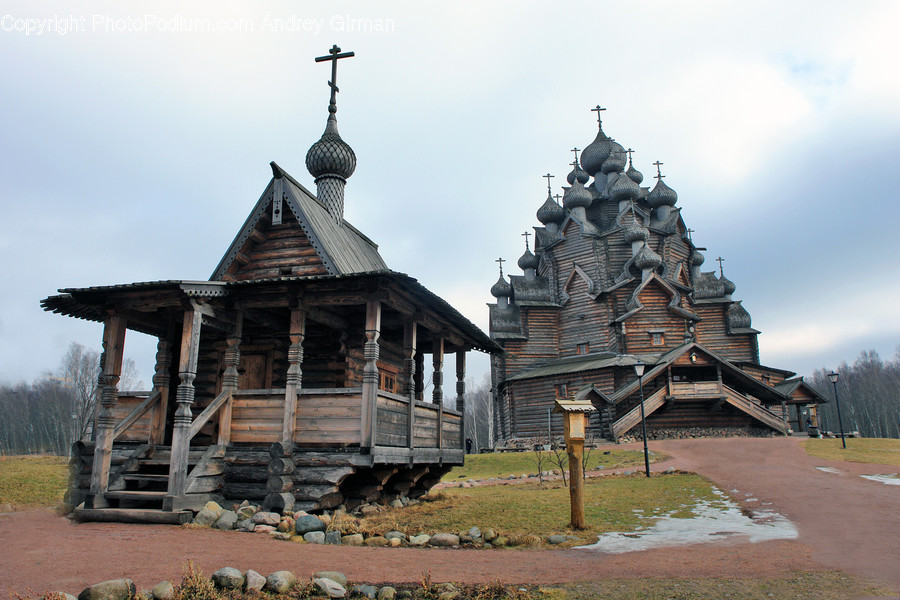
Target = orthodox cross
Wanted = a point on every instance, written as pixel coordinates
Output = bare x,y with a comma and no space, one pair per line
548,176
720,260
335,55
526,234
575,150
557,197
629,151
597,110
501,261
689,232
659,174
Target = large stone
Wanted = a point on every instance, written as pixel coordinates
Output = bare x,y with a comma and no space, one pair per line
314,537
245,525
354,539
367,591
335,576
114,589
206,518
245,512
266,518
475,533
164,590
387,593
286,525
226,520
395,534
280,582
556,539
253,581
376,540
228,578
333,537
263,529
307,523
419,540
444,540
500,541
489,535
214,508
331,588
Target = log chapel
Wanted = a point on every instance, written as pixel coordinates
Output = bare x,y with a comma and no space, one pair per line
616,279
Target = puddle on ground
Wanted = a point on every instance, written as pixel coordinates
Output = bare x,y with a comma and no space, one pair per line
713,521
830,470
891,479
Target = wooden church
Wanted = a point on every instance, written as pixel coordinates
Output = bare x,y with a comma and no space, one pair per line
295,377
616,279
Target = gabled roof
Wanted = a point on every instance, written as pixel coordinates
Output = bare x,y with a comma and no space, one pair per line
789,386
634,304
342,248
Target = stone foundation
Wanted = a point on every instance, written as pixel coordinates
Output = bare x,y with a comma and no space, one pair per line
681,433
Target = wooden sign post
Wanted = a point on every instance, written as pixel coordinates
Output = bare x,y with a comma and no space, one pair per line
575,414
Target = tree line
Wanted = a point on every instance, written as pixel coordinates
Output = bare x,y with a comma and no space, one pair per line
869,395
49,414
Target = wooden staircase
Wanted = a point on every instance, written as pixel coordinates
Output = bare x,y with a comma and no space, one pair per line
757,411
137,489
633,416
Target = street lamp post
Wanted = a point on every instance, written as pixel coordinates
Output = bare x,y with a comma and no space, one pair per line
639,371
833,377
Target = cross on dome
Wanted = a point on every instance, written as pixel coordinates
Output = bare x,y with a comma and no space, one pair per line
720,260
526,234
597,110
548,176
659,174
335,55
501,261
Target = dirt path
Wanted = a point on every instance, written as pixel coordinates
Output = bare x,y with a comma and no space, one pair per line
845,522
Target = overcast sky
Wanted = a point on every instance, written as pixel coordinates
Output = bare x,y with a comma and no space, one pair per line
134,145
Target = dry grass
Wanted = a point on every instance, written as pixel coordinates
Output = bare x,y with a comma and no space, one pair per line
504,464
33,481
880,451
527,513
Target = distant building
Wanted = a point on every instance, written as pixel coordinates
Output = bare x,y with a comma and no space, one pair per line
614,279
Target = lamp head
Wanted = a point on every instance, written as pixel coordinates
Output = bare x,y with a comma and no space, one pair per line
639,367
833,377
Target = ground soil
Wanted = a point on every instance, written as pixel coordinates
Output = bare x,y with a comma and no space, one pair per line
845,522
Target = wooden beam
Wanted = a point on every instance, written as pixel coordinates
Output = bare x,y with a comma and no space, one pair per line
294,384
409,382
230,377
161,383
461,394
113,346
370,374
437,379
184,397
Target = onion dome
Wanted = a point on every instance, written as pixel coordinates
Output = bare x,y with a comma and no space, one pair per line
738,317
501,289
577,195
577,173
647,259
633,174
331,155
528,261
624,188
596,152
728,285
636,232
661,195
616,161
551,212
697,259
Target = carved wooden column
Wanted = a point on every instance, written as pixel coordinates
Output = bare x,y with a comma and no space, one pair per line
161,381
461,395
113,343
419,377
370,374
184,397
230,377
294,376
437,379
409,382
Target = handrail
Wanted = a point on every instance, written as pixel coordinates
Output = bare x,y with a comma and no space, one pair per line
631,418
136,414
204,417
757,410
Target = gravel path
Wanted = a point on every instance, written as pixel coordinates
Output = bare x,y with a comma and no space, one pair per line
845,522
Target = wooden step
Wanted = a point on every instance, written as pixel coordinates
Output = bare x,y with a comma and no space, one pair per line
136,495
133,515
148,477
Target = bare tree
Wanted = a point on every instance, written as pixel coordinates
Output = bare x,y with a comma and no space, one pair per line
479,416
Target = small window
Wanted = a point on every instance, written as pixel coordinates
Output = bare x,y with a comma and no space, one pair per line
657,338
766,380
387,377
583,348
561,390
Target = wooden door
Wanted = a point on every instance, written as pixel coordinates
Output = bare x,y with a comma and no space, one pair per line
255,372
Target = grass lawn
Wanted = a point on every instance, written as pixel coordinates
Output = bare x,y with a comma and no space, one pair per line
503,464
32,481
883,451
527,513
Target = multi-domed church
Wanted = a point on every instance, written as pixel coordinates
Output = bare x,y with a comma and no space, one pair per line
615,280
